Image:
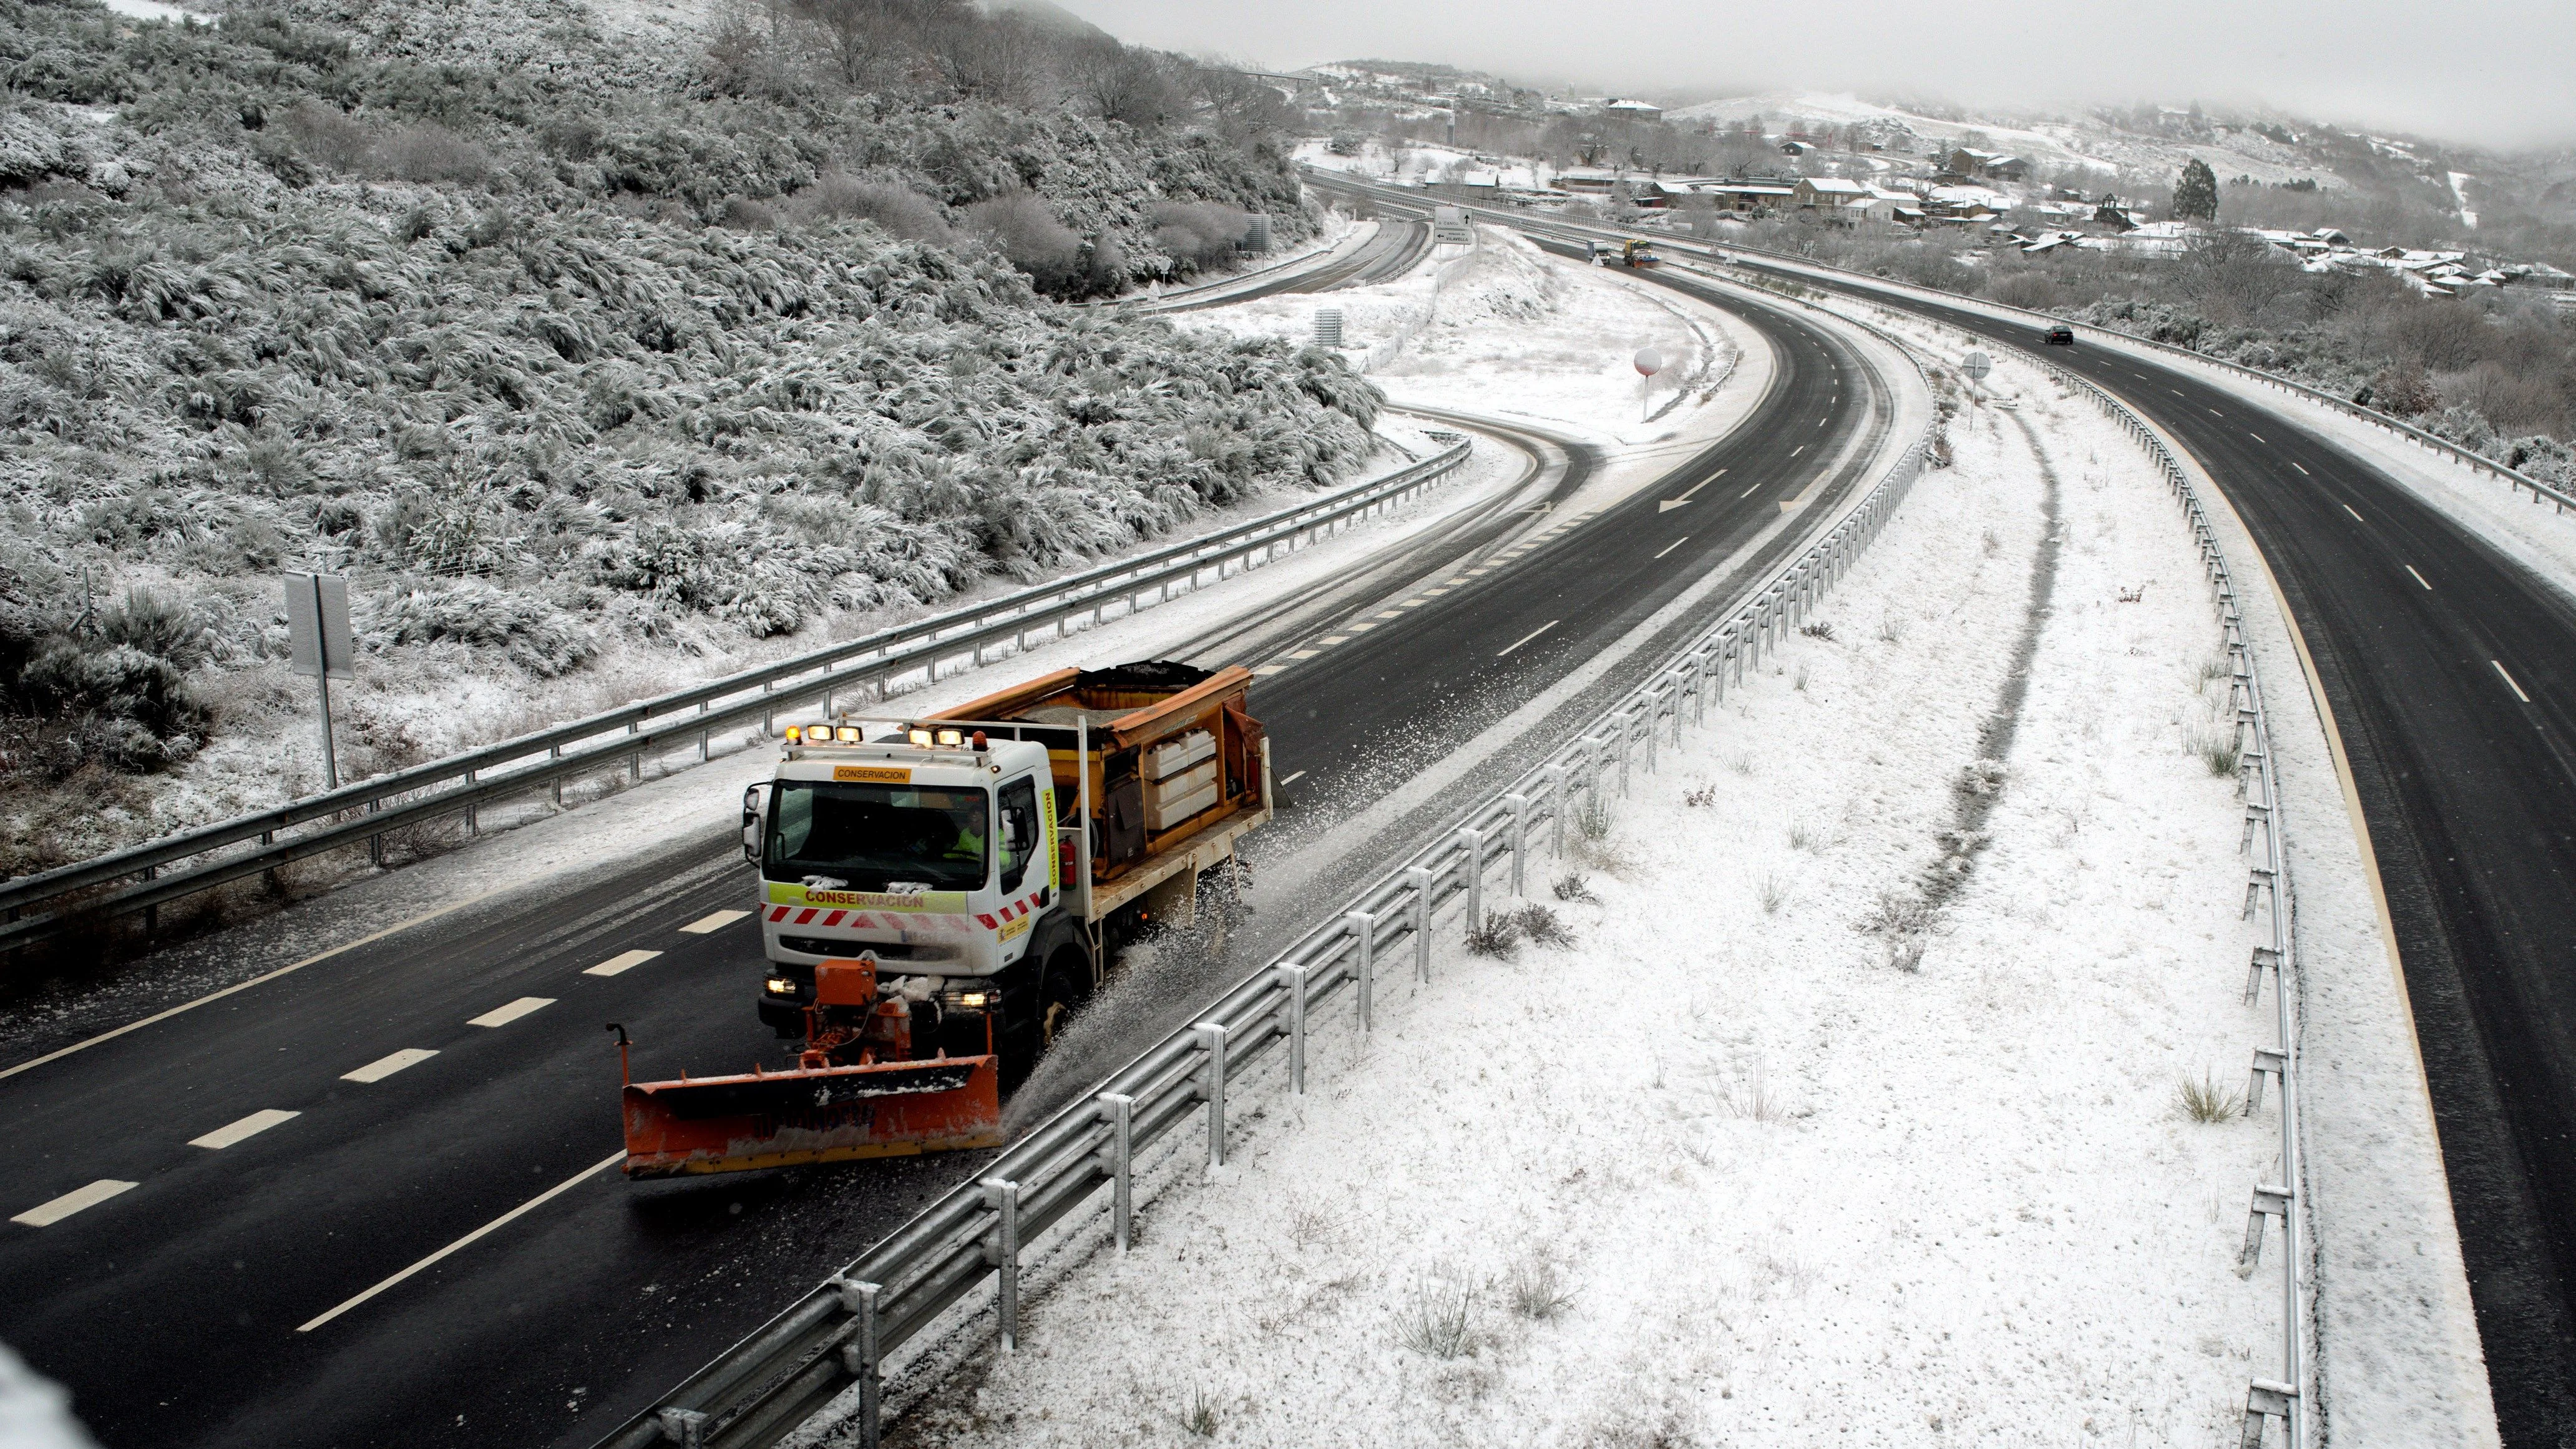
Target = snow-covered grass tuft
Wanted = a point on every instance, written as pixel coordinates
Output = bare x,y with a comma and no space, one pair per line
2206,1101
1498,937
1438,1319
1802,836
1199,1421
1772,894
1701,798
1536,1288
1821,629
2217,748
1540,925
1573,887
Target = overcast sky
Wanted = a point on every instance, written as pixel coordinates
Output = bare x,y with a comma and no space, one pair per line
2499,72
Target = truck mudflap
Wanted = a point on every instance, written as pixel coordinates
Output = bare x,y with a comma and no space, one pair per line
822,1114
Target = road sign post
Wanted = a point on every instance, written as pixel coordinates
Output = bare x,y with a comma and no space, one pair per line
317,627
1648,362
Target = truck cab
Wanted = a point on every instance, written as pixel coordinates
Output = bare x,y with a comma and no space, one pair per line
931,851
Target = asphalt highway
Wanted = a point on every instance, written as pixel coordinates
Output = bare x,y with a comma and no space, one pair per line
2451,672
1398,244
372,1202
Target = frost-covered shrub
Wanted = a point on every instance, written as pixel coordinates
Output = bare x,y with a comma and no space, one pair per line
128,696
1204,234
436,297
533,635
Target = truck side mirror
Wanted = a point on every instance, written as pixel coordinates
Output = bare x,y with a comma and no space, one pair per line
751,823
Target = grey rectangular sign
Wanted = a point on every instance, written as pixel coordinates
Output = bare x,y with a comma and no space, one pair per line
317,622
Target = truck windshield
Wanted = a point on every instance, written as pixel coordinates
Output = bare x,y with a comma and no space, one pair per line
875,837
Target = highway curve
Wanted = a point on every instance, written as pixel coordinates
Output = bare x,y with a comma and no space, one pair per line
2451,672
218,1301
1398,245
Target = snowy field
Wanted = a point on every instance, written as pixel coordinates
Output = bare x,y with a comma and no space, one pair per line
1852,1107
1507,331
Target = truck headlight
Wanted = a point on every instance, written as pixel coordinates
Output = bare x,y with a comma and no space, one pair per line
950,739
780,986
848,734
920,739
973,999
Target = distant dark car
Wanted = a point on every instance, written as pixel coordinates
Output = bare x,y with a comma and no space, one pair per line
2060,337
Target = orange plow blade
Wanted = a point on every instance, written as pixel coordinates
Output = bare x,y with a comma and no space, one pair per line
829,1114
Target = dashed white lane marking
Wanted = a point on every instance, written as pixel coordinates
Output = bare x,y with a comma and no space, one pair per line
617,965
250,1126
46,1214
1388,614
1305,653
1793,452
2215,413
383,1067
1676,543
1413,603
1747,493
2357,518
504,1015
1332,639
1525,638
2419,578
709,924
2508,681
1293,779
1820,422
1269,669
502,1221
83,1045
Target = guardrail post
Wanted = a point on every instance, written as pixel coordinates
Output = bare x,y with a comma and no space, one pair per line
473,815
555,752
1363,929
859,1356
1520,839
1003,1197
1293,977
1627,738
1212,1087
2264,958
1559,794
1473,842
1420,879
1119,1111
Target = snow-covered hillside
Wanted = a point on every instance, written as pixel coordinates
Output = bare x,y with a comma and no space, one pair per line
2072,142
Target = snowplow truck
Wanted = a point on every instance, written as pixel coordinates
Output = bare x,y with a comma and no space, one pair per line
937,896
1638,254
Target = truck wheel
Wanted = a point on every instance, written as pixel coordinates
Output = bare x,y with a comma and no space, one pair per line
1058,995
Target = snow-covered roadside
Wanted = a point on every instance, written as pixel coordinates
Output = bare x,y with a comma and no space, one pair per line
435,699
1757,1158
2397,1354
1509,331
688,802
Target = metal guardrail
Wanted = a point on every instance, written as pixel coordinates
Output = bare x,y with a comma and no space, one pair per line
1081,1164
144,877
2512,477
2267,884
